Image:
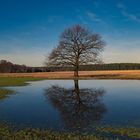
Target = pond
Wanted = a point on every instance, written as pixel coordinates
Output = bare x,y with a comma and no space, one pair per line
68,105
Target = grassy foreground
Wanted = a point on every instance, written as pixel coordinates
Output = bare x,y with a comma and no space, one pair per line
34,134
108,133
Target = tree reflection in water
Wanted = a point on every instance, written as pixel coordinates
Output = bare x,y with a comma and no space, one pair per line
79,108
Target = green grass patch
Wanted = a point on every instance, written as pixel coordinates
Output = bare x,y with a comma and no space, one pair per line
13,81
7,133
11,133
4,93
16,81
133,133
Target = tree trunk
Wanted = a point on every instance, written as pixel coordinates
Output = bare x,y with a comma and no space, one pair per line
76,74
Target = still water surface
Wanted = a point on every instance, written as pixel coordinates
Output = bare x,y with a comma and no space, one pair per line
73,105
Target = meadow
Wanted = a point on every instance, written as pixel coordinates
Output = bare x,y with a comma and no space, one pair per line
109,74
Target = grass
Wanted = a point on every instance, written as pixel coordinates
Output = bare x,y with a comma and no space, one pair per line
108,74
13,81
16,81
8,133
4,93
133,133
35,134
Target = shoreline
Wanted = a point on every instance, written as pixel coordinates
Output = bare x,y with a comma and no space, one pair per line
21,79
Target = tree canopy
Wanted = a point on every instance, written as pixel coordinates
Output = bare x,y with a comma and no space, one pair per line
77,46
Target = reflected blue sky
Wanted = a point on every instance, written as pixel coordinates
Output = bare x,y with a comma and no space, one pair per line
29,106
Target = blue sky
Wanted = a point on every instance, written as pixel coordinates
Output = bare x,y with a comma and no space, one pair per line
29,29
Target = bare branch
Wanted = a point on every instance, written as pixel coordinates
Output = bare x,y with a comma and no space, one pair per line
77,46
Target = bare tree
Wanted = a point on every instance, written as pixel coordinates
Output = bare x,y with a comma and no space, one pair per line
77,46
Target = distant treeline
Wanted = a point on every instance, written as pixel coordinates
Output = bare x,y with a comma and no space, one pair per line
8,67
112,66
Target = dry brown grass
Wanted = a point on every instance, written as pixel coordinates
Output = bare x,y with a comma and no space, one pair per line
115,74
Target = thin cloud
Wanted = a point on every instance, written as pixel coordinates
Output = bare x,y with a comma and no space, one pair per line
82,19
131,16
52,19
121,6
93,16
125,13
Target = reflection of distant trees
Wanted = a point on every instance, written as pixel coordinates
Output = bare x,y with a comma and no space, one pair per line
79,108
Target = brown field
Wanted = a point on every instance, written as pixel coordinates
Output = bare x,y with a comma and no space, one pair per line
119,74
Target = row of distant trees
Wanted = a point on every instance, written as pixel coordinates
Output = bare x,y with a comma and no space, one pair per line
94,67
8,67
113,66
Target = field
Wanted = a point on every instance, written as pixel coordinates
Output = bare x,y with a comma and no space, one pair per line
113,74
